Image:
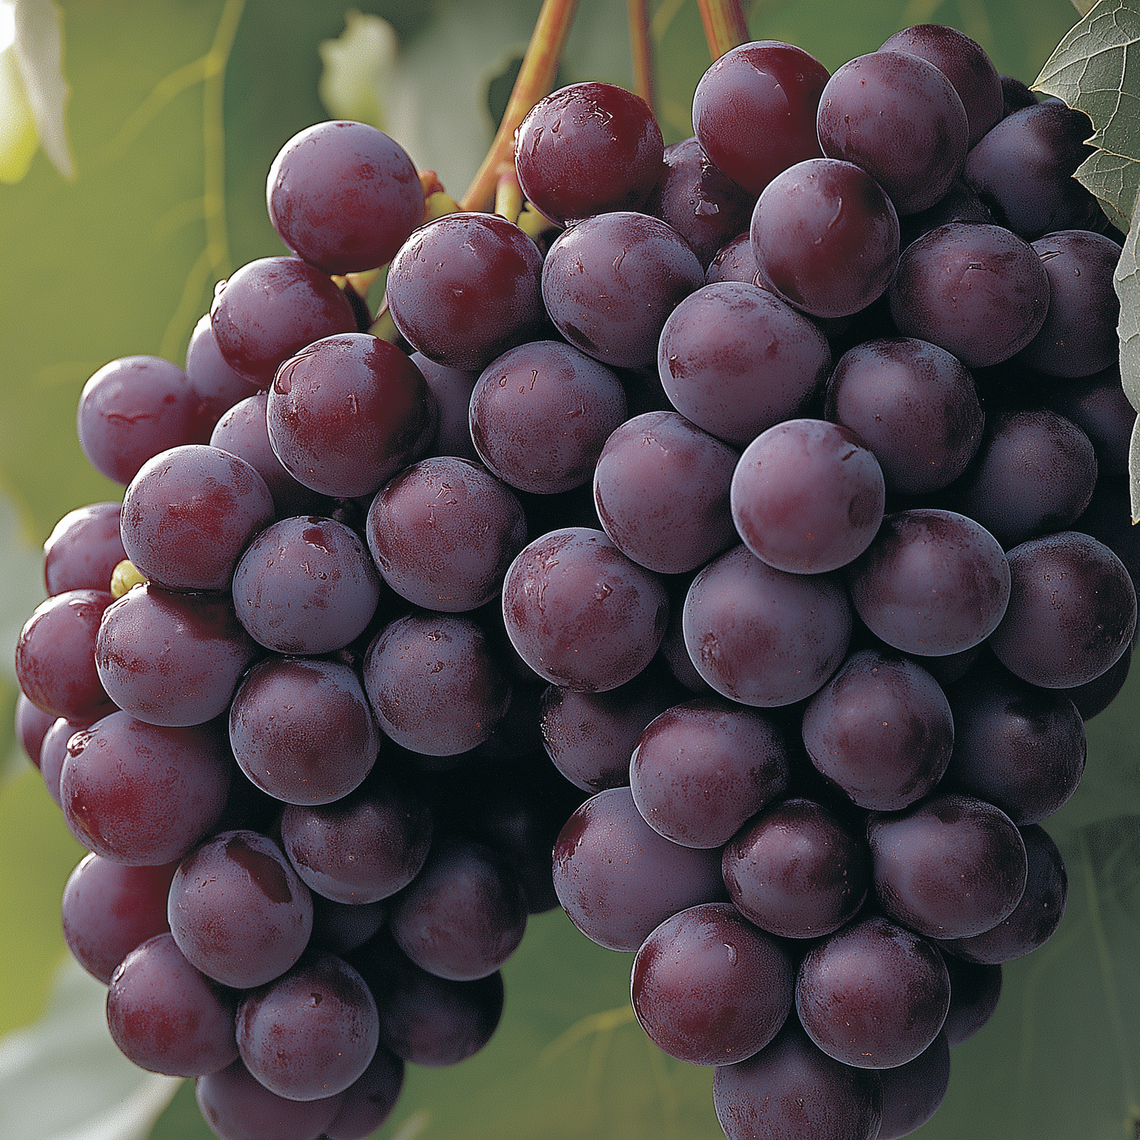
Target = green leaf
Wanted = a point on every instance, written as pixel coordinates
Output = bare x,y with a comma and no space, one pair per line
1134,472
1115,181
18,139
39,52
1126,281
1084,6
1094,69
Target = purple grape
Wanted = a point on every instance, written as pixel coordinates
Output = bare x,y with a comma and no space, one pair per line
347,412
369,1100
451,390
166,1017
754,111
913,1092
189,513
1098,406
873,995
734,261
701,768
83,549
796,870
217,386
950,867
344,196
761,636
171,659
974,993
709,988
587,149
343,927
302,729
32,725
54,751
238,911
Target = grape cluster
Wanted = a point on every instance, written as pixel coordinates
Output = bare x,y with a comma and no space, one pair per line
767,496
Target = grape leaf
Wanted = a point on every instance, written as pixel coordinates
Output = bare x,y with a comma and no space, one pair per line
39,53
1115,181
1094,68
18,139
1127,282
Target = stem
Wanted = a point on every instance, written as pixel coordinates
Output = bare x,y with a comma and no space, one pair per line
641,47
536,77
509,195
725,26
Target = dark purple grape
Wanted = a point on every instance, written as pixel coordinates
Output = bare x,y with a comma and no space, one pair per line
347,412
540,414
899,118
435,683
217,386
55,656
189,513
1098,406
734,261
166,1017
915,407
701,768
793,1091
54,750
913,1092
807,496
958,204
306,585
369,1100
1108,519
141,793
1015,95
580,613
964,63
735,360
238,911
132,409
270,309
933,582
978,291
873,995
83,549
451,390
1093,697
341,928
587,149
610,282
312,1032
302,729
172,659
1072,611
826,238
881,729
761,636
974,993
704,206
950,867
361,849
709,988
110,908
618,879
796,870
661,491
754,111
344,196
465,288
32,725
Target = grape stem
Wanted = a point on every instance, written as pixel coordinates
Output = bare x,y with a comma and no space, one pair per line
725,26
641,48
535,79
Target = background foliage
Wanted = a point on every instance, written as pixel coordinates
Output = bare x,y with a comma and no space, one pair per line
176,111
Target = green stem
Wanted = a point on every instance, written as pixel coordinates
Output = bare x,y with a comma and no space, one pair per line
641,48
725,26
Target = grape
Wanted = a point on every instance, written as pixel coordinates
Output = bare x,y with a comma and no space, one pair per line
83,549
54,750
142,793
217,386
306,585
188,515
701,768
171,659
754,111
618,879
166,1017
346,413
949,867
238,911
826,238
302,729
580,613
913,1092
735,360
465,288
369,1100
344,196
761,636
709,988
588,149
959,204
796,870
451,390
541,413
611,281
1098,406
974,993
343,927
32,725
933,582
270,309
734,261
881,729
807,496
899,118
793,1091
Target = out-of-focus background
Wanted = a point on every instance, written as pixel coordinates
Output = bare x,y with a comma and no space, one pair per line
177,108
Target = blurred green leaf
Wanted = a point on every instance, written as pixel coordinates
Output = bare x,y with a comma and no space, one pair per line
18,139
1126,280
39,54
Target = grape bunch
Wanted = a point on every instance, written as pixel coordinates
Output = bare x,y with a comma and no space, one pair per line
728,548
